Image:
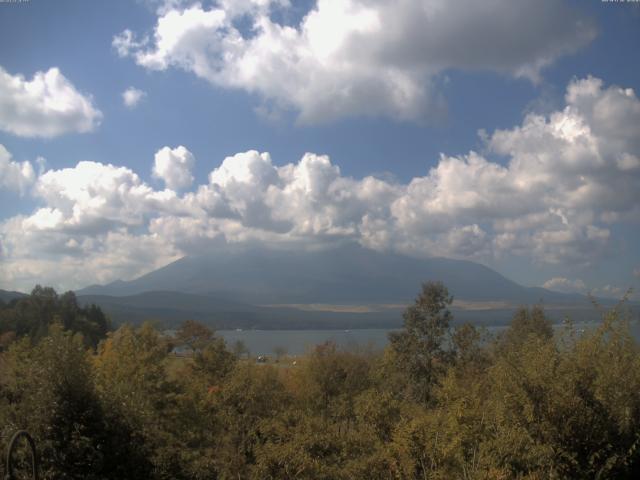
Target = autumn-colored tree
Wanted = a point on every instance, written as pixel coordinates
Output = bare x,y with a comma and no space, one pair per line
132,382
213,362
328,380
240,349
419,349
249,399
526,322
437,404
48,390
193,335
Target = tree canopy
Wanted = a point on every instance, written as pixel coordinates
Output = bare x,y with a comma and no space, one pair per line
32,316
442,401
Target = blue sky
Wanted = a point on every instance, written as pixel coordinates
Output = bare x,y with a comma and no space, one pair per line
446,82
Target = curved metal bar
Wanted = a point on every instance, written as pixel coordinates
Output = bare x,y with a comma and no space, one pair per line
12,445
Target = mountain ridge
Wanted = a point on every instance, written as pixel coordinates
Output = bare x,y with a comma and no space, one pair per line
349,275
346,287
8,295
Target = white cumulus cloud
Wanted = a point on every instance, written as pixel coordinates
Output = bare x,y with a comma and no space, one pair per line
48,105
132,96
564,285
611,291
15,176
174,167
93,197
553,198
357,57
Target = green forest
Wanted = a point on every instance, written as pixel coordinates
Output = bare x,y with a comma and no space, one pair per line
442,401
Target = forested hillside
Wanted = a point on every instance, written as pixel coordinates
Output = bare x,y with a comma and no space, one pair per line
437,403
32,315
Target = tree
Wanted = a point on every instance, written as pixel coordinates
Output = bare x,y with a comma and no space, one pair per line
526,323
32,316
280,352
468,350
328,380
194,335
240,348
50,392
213,362
132,383
418,349
250,396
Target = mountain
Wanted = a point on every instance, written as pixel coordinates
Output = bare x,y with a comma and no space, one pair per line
6,296
172,308
346,275
347,287
168,307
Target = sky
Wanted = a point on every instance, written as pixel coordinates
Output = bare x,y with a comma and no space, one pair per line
504,132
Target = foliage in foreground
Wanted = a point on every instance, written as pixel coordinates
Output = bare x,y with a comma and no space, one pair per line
438,403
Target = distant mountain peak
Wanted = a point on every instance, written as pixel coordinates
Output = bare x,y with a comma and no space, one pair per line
8,295
346,274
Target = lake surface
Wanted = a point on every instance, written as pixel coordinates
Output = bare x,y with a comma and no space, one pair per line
298,342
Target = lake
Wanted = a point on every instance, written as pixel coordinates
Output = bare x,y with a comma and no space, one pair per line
298,342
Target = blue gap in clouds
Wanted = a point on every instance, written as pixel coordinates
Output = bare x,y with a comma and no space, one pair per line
364,145
612,56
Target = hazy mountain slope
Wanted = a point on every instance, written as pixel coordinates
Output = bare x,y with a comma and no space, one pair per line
274,289
171,308
6,296
349,274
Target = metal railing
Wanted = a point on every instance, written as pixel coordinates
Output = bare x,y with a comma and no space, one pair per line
10,464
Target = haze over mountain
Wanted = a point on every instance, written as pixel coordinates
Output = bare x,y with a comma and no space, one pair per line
6,296
345,287
507,136
345,275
